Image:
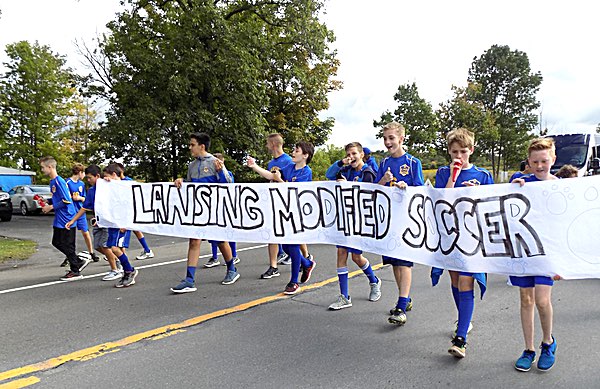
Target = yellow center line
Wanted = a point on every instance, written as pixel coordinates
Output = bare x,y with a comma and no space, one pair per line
20,383
104,348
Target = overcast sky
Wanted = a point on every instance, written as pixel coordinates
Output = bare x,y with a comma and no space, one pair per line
385,43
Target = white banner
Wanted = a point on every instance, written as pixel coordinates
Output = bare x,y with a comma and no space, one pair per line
542,228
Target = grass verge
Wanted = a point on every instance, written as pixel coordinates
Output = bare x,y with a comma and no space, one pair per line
15,249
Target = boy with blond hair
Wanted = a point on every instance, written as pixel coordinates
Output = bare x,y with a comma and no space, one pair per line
460,173
536,291
400,169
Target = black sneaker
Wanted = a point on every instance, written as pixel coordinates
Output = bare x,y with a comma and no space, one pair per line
95,258
270,273
459,347
65,262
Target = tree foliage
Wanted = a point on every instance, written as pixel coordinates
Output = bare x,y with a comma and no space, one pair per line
506,88
416,115
237,70
323,158
34,105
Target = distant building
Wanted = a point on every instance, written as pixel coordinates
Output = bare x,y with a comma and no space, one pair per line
10,177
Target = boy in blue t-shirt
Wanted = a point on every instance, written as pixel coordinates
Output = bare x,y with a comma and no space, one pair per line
62,204
298,171
280,160
92,174
118,238
205,169
78,194
461,173
536,291
352,168
400,169
214,245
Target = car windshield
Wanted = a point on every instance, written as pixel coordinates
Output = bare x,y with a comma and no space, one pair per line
571,149
40,189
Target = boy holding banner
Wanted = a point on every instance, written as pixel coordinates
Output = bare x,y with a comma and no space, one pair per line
298,171
205,169
400,169
352,168
536,291
461,173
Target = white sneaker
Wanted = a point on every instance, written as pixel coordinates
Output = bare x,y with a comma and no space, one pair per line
113,275
145,255
456,329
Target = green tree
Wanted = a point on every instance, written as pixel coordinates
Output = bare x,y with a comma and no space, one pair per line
323,158
506,88
416,115
34,94
234,69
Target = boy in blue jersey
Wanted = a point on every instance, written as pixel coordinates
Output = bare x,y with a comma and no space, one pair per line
524,169
92,174
352,168
214,245
118,238
204,169
400,169
78,193
298,171
146,253
536,291
461,145
62,204
280,160
370,160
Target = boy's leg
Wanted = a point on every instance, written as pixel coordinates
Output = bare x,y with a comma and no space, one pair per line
232,275
403,276
214,258
454,285
188,284
64,241
304,250
543,302
214,247
342,270
466,298
273,254
147,252
527,297
374,281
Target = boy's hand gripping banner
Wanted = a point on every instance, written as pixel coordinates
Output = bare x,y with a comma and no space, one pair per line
543,228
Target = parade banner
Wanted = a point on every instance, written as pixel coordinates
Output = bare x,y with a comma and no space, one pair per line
543,228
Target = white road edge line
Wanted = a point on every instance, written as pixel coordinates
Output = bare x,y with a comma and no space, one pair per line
104,273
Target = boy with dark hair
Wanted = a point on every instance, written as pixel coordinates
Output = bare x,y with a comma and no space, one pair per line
62,204
92,174
461,173
206,169
146,253
298,171
523,171
400,169
78,194
352,168
536,291
118,238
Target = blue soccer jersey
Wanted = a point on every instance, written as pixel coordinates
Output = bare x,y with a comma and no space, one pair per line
475,175
62,202
90,199
76,187
372,162
405,168
280,162
290,174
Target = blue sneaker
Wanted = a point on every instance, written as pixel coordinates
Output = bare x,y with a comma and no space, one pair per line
547,356
184,287
525,361
231,277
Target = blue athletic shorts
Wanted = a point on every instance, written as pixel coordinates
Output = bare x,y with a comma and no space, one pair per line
530,281
82,224
350,249
396,262
116,238
217,242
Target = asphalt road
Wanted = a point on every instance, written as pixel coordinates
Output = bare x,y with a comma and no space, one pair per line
89,334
